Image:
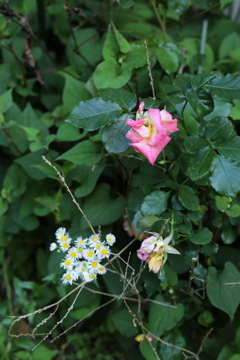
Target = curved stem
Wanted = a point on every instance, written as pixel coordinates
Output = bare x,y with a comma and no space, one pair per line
161,22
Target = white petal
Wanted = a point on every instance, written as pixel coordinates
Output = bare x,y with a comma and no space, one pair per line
168,238
171,250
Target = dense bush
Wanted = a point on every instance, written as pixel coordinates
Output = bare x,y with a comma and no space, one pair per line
71,74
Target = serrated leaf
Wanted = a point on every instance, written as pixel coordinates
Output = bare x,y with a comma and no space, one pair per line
201,163
225,176
188,198
201,102
155,203
194,143
229,148
162,318
114,136
226,87
226,298
94,113
117,75
218,128
201,79
203,236
86,152
122,97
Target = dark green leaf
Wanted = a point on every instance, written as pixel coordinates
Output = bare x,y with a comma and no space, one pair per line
125,3
5,101
226,87
218,128
146,350
201,163
92,114
202,237
114,136
67,132
224,297
122,97
168,58
210,249
117,75
194,143
183,83
155,203
190,123
169,352
122,42
225,176
229,148
74,92
188,198
122,319
136,57
88,179
222,108
201,79
201,102
86,152
162,318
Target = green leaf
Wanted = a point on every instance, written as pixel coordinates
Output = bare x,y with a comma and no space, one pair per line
146,350
201,79
92,114
178,6
74,92
117,75
169,352
67,132
122,97
226,87
188,198
234,211
224,297
210,249
225,176
193,144
224,3
122,42
126,3
28,161
221,202
114,136
229,148
6,101
228,236
203,236
87,178
222,108
123,321
31,133
110,48
201,163
190,123
86,152
183,83
3,206
136,57
100,208
229,43
218,128
168,58
162,318
201,102
155,203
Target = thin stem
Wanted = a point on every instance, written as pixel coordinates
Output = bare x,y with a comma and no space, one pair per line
8,287
161,22
203,42
149,70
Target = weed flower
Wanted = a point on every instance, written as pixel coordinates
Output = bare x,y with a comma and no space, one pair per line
82,261
149,132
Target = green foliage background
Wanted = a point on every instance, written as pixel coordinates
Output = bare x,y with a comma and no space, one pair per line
71,73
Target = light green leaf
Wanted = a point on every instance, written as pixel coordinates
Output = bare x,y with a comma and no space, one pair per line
201,163
229,148
74,92
155,203
67,132
100,208
110,48
122,97
92,114
42,352
6,101
221,202
110,74
234,211
114,136
168,58
224,297
86,152
146,350
203,236
122,42
136,57
229,43
162,318
225,176
188,198
226,87
31,133
190,123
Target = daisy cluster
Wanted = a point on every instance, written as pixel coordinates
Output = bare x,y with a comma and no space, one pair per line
83,260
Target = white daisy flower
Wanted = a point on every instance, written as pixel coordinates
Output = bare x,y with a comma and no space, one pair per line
110,239
93,265
96,246
80,242
101,269
53,246
60,232
88,254
79,252
94,238
81,267
64,245
104,252
64,238
69,277
89,276
73,253
67,263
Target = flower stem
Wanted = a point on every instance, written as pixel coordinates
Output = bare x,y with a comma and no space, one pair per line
161,22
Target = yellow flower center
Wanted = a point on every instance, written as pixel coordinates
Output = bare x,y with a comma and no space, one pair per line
63,238
73,254
104,251
67,262
65,245
68,277
90,254
94,264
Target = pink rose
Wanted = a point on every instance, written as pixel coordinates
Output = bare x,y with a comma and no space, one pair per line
149,132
